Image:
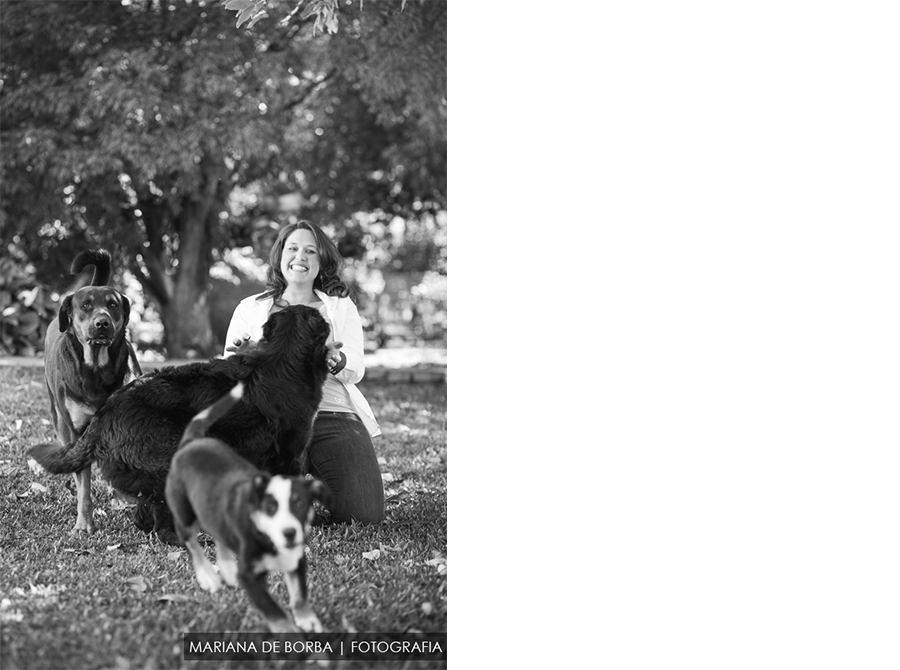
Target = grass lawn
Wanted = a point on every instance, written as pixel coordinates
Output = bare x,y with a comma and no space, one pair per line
121,599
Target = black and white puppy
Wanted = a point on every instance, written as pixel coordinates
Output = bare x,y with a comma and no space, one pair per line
259,522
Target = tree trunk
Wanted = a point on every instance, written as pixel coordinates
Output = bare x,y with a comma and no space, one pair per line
186,318
182,296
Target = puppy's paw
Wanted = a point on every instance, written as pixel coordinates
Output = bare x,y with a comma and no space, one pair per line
282,626
307,621
209,579
228,573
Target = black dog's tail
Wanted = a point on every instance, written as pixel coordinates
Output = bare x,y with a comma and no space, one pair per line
100,259
60,459
202,421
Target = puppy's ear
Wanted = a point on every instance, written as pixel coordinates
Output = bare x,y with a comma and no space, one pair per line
65,314
259,486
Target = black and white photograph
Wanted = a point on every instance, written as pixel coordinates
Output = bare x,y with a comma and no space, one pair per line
223,333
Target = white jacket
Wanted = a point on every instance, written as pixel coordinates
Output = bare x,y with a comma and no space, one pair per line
251,314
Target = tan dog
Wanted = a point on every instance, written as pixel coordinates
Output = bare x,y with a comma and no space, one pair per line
86,358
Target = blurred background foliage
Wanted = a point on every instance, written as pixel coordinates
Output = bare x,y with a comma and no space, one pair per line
161,131
26,309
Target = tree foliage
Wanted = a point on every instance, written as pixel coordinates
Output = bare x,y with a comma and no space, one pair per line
133,125
325,12
26,310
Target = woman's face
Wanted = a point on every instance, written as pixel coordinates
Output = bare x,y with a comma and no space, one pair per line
300,257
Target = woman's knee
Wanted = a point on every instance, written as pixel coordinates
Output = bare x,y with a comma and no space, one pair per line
366,509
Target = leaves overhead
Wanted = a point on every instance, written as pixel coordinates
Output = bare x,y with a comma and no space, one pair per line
116,118
326,12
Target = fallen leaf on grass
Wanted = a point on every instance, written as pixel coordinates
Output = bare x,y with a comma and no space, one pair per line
138,583
372,555
18,425
40,488
427,609
396,496
6,468
80,552
173,597
113,547
174,555
387,477
440,563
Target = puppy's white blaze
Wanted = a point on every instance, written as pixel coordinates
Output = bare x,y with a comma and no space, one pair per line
238,391
285,558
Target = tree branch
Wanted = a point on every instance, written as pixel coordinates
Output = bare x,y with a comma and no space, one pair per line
307,93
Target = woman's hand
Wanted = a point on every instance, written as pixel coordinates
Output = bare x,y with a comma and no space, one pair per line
334,357
242,345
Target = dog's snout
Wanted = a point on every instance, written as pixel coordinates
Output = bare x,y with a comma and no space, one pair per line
290,534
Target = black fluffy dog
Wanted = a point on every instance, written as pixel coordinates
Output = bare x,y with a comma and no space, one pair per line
136,433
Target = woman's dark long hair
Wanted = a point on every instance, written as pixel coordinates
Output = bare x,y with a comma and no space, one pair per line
328,280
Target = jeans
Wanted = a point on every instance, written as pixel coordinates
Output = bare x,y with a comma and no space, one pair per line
342,455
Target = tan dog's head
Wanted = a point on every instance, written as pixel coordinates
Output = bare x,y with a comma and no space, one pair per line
97,315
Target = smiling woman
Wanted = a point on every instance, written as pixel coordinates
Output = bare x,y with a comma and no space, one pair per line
304,269
300,266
